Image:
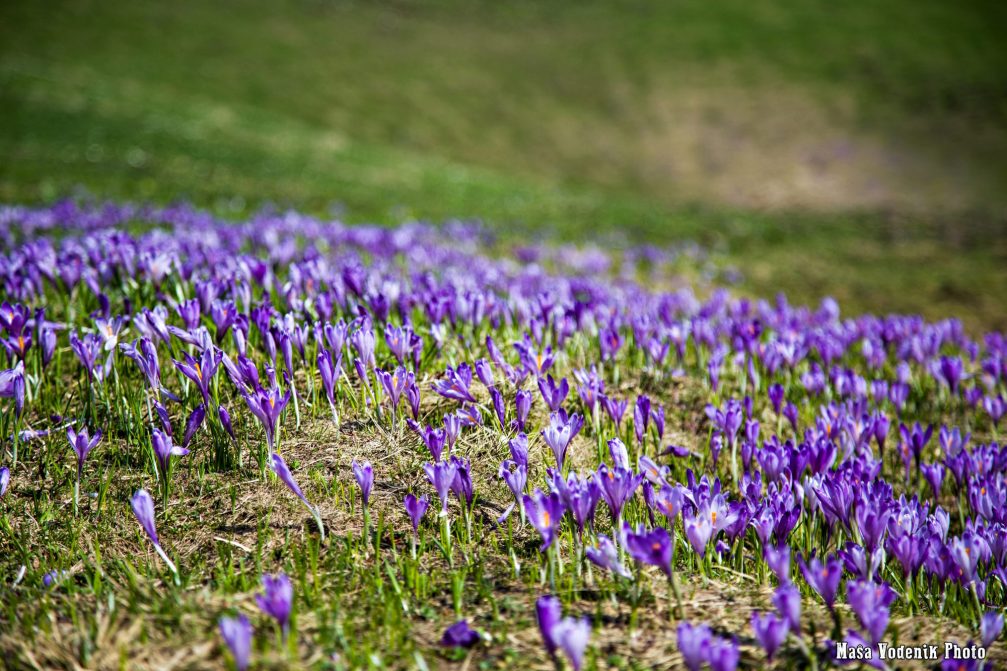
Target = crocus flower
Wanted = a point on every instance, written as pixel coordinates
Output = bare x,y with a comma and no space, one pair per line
724,654
694,644
82,445
653,547
12,386
461,486
460,635
434,439
267,406
330,370
778,560
416,508
283,472
201,370
545,511
990,627
193,423
441,475
787,600
4,480
572,635
617,487
455,384
870,602
394,384
225,421
562,633
519,449
516,477
143,508
522,405
164,448
277,599
365,479
823,578
237,634
606,556
770,631
553,393
560,432
699,530
549,611
620,455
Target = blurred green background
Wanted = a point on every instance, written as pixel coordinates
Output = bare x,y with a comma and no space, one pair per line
855,149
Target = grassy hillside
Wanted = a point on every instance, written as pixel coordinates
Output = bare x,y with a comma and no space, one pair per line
856,150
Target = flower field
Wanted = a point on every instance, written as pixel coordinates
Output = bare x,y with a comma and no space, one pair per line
289,443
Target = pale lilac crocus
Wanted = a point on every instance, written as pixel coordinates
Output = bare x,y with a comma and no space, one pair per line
364,475
606,556
416,508
82,445
143,507
237,634
283,472
277,599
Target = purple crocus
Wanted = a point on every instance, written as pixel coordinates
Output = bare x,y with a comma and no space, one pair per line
694,644
279,467
823,577
225,421
82,445
650,547
416,508
237,634
164,449
522,405
330,369
277,599
724,654
560,432
519,449
620,455
699,530
460,635
549,612
787,600
365,479
12,385
617,487
455,384
193,423
516,477
870,602
441,475
990,627
571,635
201,370
553,393
143,508
770,631
545,511
267,407
606,556
4,480
778,560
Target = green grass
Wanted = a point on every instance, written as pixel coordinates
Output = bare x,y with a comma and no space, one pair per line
555,119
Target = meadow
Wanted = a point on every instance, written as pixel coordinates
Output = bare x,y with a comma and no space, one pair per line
458,334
